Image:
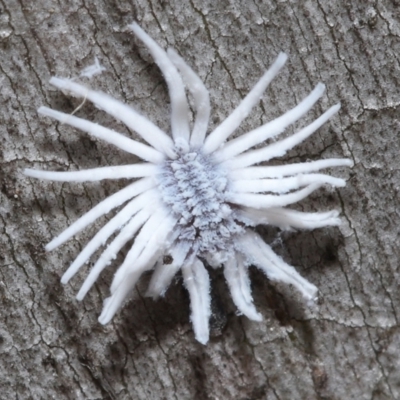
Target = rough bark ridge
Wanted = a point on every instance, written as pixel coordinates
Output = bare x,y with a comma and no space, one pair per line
51,346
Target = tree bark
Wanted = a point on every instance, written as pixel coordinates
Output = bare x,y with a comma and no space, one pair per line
347,347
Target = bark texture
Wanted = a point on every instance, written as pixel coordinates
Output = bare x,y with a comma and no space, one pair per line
52,346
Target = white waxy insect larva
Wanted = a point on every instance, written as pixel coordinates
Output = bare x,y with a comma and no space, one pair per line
197,196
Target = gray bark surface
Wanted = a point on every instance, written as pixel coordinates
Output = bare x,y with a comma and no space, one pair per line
51,346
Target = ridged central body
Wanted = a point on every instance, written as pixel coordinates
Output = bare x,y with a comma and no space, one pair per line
194,188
